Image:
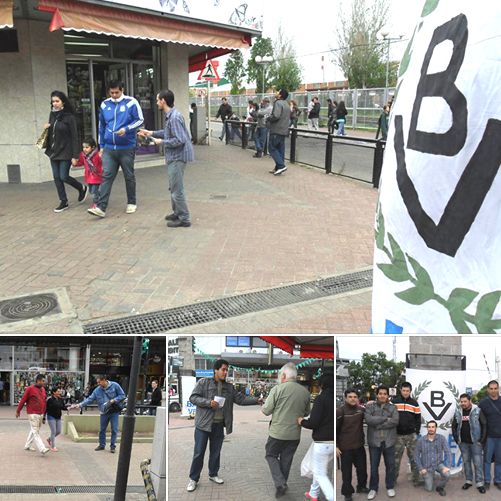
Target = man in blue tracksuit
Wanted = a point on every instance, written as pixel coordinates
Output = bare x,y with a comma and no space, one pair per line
119,118
109,397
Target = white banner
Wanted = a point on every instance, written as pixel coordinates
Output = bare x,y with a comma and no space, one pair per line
187,386
234,13
437,266
437,393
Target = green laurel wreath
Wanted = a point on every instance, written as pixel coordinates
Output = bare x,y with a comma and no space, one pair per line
422,290
419,389
455,392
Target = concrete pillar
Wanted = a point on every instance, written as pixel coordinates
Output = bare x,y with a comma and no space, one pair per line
186,351
74,359
158,466
435,352
33,73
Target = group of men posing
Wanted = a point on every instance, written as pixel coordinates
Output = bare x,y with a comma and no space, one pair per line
395,426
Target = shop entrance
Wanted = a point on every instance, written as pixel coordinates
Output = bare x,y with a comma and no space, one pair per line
5,388
87,81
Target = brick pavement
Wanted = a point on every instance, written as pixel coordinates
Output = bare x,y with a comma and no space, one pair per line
251,231
243,467
74,464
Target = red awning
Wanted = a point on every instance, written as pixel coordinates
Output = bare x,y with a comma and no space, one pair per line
70,15
310,346
6,16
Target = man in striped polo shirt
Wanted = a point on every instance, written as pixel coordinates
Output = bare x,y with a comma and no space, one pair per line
409,425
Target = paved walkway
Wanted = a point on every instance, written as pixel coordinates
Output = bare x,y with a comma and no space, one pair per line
251,231
76,464
243,467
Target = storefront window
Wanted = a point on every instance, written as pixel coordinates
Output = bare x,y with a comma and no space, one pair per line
73,382
144,92
77,75
49,358
5,358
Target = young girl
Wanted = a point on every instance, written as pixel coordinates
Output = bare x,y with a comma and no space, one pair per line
91,160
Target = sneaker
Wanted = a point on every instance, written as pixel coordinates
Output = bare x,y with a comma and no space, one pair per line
498,485
171,217
481,489
45,451
62,206
192,485
441,491
466,486
130,209
362,490
372,494
179,224
54,449
280,492
217,479
391,493
307,495
279,171
31,449
96,211
83,194
112,450
99,448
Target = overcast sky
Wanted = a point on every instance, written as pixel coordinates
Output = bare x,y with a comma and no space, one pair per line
473,347
312,28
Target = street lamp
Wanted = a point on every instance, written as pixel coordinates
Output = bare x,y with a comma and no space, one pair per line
388,39
263,61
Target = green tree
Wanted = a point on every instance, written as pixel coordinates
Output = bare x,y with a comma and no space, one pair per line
234,71
255,72
286,73
361,55
372,371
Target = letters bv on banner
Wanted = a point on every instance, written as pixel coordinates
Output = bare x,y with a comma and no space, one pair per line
187,386
437,266
437,393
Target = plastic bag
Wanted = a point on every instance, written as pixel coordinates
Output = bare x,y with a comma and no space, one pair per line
307,463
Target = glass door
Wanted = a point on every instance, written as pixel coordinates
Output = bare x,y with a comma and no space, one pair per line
78,79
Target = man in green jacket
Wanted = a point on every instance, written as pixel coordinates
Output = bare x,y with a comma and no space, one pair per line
286,402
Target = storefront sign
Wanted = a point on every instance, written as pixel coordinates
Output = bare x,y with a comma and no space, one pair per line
187,386
438,225
237,13
437,393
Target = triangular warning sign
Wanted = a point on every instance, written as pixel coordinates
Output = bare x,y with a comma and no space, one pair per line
209,72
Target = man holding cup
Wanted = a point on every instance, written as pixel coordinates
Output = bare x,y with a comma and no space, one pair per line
214,398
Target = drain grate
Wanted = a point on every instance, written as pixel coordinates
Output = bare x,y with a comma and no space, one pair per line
67,489
27,307
185,316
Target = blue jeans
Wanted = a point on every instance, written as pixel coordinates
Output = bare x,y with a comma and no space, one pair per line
388,454
55,429
112,161
340,127
260,138
428,477
472,454
277,150
493,446
215,437
61,175
105,419
175,171
94,191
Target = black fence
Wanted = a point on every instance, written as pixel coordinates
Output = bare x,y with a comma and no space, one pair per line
354,157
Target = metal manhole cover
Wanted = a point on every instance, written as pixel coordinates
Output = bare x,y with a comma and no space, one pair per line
23,308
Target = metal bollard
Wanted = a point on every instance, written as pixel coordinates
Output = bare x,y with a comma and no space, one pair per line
245,135
328,155
293,146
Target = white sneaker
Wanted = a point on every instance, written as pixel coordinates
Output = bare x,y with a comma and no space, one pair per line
45,451
96,211
217,479
130,209
372,494
391,493
192,485
31,449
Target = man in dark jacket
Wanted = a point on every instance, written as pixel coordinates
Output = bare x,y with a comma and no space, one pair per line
214,398
156,397
409,426
350,444
279,129
35,399
225,111
469,428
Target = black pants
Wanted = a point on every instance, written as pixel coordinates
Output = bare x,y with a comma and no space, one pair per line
350,458
279,455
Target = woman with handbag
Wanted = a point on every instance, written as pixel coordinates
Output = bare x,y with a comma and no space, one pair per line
63,147
321,421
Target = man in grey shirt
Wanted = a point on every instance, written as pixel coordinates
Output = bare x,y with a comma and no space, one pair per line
279,121
212,416
382,420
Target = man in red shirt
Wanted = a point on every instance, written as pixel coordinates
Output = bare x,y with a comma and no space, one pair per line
35,399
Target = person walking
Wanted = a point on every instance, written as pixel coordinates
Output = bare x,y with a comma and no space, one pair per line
491,407
382,123
93,167
408,429
295,112
156,397
285,403
178,152
109,397
469,429
53,413
214,399
331,116
321,421
350,444
382,420
261,136
433,455
341,113
119,118
279,121
225,111
314,114
35,399
63,148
